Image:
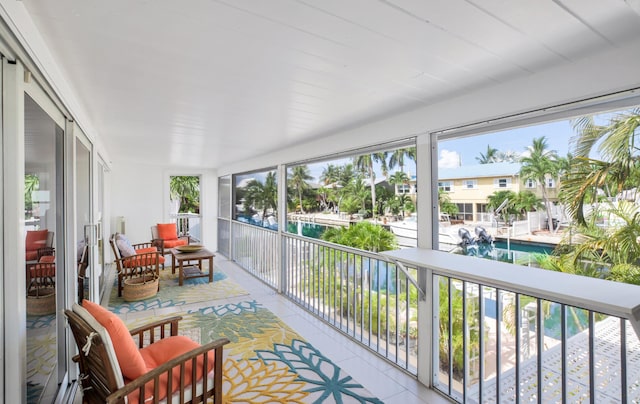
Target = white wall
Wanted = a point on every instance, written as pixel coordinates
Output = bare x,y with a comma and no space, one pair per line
140,193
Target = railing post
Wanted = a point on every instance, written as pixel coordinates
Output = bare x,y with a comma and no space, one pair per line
426,328
282,227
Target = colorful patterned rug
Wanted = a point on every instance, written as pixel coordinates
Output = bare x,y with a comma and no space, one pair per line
266,361
170,294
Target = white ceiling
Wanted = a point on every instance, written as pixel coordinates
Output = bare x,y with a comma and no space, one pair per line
207,83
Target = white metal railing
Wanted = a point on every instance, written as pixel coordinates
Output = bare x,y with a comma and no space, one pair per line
256,249
359,293
504,333
188,224
488,331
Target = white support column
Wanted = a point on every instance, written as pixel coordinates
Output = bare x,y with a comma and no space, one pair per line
282,225
426,233
13,279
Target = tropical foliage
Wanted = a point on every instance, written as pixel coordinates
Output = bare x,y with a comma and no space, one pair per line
186,190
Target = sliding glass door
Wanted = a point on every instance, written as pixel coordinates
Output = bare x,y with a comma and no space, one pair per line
44,252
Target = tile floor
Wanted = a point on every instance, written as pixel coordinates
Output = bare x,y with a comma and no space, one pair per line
382,379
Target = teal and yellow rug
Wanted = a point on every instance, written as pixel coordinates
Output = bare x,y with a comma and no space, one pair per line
266,361
170,294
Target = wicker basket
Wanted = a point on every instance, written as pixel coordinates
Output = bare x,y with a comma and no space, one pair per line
42,303
140,288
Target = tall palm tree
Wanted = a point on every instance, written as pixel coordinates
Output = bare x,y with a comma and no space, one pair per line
489,157
262,196
330,174
540,164
615,170
298,178
364,163
397,157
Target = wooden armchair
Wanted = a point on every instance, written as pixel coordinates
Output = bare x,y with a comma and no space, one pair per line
164,236
133,260
187,372
38,243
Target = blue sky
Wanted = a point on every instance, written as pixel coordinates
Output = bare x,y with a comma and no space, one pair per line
465,150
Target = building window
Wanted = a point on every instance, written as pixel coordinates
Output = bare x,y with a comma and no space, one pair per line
470,184
502,183
445,186
530,184
404,189
465,211
551,182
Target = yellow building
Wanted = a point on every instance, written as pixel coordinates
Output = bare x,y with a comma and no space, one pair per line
470,186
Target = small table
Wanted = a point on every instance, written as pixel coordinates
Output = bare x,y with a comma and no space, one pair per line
191,271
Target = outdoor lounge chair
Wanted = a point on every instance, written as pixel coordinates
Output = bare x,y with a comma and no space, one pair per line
134,260
148,364
165,237
37,244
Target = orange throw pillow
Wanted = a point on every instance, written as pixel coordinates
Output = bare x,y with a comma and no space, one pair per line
131,362
167,231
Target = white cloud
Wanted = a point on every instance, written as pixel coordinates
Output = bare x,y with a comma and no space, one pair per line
448,159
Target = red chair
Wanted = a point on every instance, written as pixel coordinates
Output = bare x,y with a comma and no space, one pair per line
134,260
149,364
165,237
37,240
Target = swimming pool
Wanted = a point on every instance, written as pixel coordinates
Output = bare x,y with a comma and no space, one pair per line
515,252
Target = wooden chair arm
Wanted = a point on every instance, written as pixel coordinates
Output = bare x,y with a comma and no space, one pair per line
159,244
156,328
180,362
142,245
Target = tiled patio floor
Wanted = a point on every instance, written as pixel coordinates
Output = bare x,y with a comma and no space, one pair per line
382,379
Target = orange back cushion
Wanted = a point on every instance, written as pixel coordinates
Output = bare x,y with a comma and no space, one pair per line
164,350
36,239
167,231
131,362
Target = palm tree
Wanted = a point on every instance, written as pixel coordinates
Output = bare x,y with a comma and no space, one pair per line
508,156
489,157
398,178
526,201
364,163
298,178
185,189
617,168
330,174
540,164
31,183
262,196
358,190
496,199
398,155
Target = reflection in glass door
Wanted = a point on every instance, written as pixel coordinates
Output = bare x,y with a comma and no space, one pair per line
44,242
83,211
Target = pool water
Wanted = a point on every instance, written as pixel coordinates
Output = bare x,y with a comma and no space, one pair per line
515,253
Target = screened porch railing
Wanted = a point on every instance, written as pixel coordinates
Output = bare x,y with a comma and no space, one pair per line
489,338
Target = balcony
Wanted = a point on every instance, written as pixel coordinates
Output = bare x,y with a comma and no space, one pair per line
494,332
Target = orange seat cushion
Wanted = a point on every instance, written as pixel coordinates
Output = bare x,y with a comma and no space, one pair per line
164,350
130,360
142,260
167,231
41,270
175,243
36,239
47,259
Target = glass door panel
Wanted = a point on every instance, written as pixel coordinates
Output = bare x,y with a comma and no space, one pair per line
44,244
83,210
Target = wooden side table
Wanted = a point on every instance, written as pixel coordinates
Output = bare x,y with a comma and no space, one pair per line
191,271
